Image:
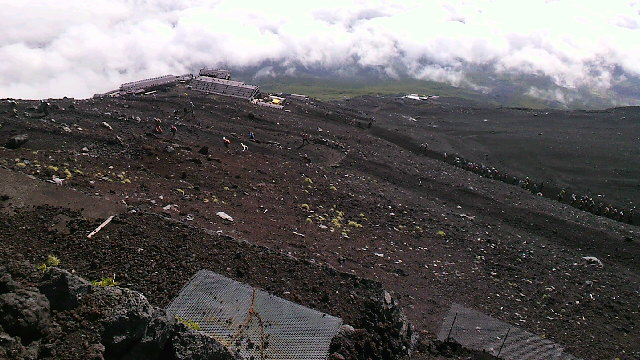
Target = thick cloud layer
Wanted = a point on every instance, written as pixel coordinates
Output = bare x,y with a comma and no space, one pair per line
78,47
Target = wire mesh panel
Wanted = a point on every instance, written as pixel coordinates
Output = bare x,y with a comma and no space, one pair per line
477,331
257,324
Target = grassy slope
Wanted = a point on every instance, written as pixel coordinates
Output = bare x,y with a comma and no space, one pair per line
331,89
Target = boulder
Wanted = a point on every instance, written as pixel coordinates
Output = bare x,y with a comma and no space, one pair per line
16,141
63,289
24,313
156,334
191,345
7,284
126,318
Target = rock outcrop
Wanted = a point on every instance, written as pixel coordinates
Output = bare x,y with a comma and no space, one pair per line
65,317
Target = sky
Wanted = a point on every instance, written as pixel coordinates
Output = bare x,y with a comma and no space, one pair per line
77,48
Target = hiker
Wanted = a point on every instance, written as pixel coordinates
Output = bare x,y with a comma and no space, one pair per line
158,128
561,195
13,106
305,138
174,129
43,107
226,141
252,137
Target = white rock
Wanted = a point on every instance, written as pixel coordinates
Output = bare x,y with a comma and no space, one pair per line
224,215
57,180
593,260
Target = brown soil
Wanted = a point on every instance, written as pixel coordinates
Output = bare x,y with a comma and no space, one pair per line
356,199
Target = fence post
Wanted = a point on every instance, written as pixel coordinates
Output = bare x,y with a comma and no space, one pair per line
453,323
503,341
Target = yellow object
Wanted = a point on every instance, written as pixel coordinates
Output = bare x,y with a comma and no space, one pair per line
277,101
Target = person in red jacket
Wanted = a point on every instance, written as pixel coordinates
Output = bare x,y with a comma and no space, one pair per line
158,128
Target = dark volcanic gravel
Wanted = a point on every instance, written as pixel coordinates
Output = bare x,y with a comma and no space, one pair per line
359,200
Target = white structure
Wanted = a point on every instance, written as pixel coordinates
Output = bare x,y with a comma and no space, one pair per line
146,84
224,87
299,97
415,97
216,73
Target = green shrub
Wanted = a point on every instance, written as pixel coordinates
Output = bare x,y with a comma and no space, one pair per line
354,224
52,261
107,281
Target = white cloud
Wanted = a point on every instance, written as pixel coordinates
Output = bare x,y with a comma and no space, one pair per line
77,48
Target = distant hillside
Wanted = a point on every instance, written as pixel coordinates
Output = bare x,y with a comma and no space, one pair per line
335,89
483,85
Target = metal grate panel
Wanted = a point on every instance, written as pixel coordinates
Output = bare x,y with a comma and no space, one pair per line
477,331
257,324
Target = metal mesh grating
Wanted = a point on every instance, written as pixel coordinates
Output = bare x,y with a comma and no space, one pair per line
257,324
477,331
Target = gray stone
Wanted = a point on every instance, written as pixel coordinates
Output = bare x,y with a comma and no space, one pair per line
24,313
156,334
16,141
7,284
126,321
191,345
63,289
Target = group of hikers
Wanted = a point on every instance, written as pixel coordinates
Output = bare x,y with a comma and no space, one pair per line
159,130
587,203
583,202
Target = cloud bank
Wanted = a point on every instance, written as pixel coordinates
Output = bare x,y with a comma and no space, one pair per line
77,48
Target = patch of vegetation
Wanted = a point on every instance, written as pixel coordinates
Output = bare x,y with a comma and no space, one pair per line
106,281
354,224
51,261
305,206
189,323
441,233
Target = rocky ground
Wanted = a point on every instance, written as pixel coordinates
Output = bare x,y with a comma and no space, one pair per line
358,199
